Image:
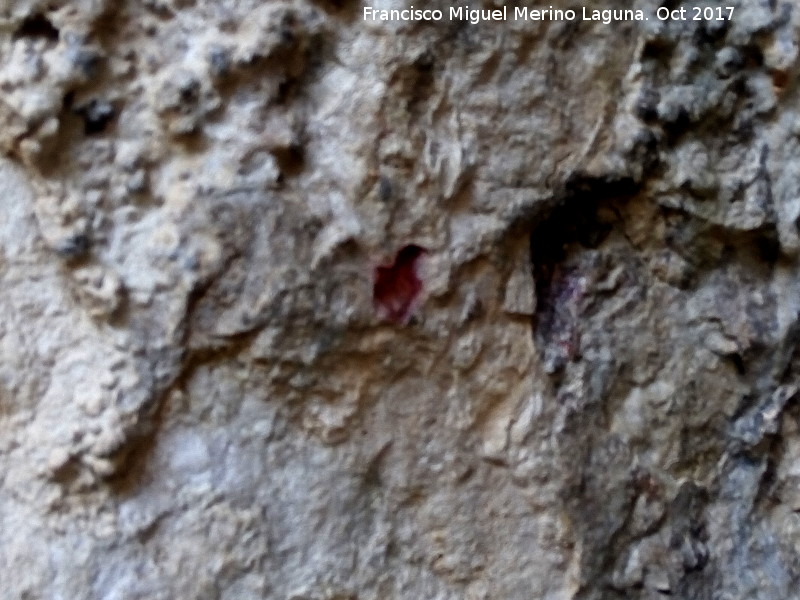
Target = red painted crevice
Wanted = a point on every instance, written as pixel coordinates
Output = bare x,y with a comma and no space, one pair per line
397,286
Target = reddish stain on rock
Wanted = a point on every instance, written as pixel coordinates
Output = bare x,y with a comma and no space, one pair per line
397,286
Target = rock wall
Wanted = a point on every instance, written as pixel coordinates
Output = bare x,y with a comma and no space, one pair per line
296,305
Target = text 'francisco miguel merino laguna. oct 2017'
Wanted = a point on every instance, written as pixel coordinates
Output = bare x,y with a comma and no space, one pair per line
520,13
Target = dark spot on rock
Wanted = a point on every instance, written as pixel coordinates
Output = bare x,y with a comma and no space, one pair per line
37,26
86,60
656,50
738,363
189,92
290,159
96,116
288,36
74,248
599,188
647,104
678,125
68,100
346,9
286,89
729,61
711,33
780,78
769,248
753,56
423,82
219,59
385,189
413,83
644,150
475,310
338,6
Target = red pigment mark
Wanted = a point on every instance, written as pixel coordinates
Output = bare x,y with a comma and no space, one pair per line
397,286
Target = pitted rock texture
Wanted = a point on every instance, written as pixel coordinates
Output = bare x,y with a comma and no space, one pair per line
224,376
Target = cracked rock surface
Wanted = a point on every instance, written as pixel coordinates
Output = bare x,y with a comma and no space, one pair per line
303,307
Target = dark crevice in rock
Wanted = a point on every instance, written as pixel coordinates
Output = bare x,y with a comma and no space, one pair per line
290,159
96,114
768,484
657,49
738,363
414,83
397,285
576,220
37,26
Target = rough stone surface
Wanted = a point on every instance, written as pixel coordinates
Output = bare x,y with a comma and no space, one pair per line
584,385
